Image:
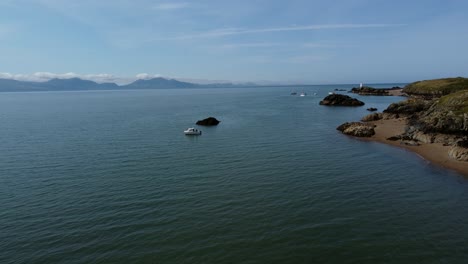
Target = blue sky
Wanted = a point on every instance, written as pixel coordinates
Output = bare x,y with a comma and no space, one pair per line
294,41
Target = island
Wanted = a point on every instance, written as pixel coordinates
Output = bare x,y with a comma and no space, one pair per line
340,100
432,121
367,90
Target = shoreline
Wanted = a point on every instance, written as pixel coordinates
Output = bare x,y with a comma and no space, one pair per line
435,153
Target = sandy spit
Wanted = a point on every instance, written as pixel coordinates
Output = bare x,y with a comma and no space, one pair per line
436,153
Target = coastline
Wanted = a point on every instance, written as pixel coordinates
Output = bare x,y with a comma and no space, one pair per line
435,153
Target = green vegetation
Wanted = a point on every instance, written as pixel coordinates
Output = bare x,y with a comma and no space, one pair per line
456,102
437,87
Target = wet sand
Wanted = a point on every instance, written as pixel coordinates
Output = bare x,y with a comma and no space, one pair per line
435,152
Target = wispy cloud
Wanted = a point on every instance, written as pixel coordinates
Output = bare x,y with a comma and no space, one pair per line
250,45
308,45
325,45
240,31
170,6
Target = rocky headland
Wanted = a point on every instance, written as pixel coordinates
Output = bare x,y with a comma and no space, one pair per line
433,122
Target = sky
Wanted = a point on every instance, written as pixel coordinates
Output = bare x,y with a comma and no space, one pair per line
264,41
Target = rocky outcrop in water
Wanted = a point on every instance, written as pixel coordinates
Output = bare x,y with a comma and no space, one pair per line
357,129
340,100
210,121
369,91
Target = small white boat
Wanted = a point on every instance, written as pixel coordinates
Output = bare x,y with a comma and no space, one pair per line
303,94
192,131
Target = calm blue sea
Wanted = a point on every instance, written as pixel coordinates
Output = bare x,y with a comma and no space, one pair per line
109,177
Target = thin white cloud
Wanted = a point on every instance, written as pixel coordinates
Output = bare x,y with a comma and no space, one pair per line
45,76
309,45
239,31
146,76
170,6
99,78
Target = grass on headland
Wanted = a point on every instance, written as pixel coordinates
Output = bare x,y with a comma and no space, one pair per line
437,87
456,102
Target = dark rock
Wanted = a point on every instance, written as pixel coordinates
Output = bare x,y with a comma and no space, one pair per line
357,129
406,137
210,121
372,109
408,107
340,100
369,91
463,143
394,138
410,143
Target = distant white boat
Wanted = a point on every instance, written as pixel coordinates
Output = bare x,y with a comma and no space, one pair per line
192,131
331,93
303,94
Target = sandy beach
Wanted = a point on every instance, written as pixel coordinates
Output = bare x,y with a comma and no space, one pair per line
435,152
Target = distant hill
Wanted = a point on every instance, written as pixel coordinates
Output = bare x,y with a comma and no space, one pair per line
77,84
159,82
7,85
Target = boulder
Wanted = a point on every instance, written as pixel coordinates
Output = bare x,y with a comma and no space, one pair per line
210,121
410,143
340,100
357,129
422,137
460,151
372,117
372,109
445,139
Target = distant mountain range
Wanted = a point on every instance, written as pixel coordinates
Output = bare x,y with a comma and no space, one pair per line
76,84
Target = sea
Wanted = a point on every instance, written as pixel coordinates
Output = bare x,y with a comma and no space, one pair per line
110,177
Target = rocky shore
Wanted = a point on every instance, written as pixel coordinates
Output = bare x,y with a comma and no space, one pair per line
366,90
432,122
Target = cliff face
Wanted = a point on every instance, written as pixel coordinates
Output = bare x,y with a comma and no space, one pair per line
448,115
